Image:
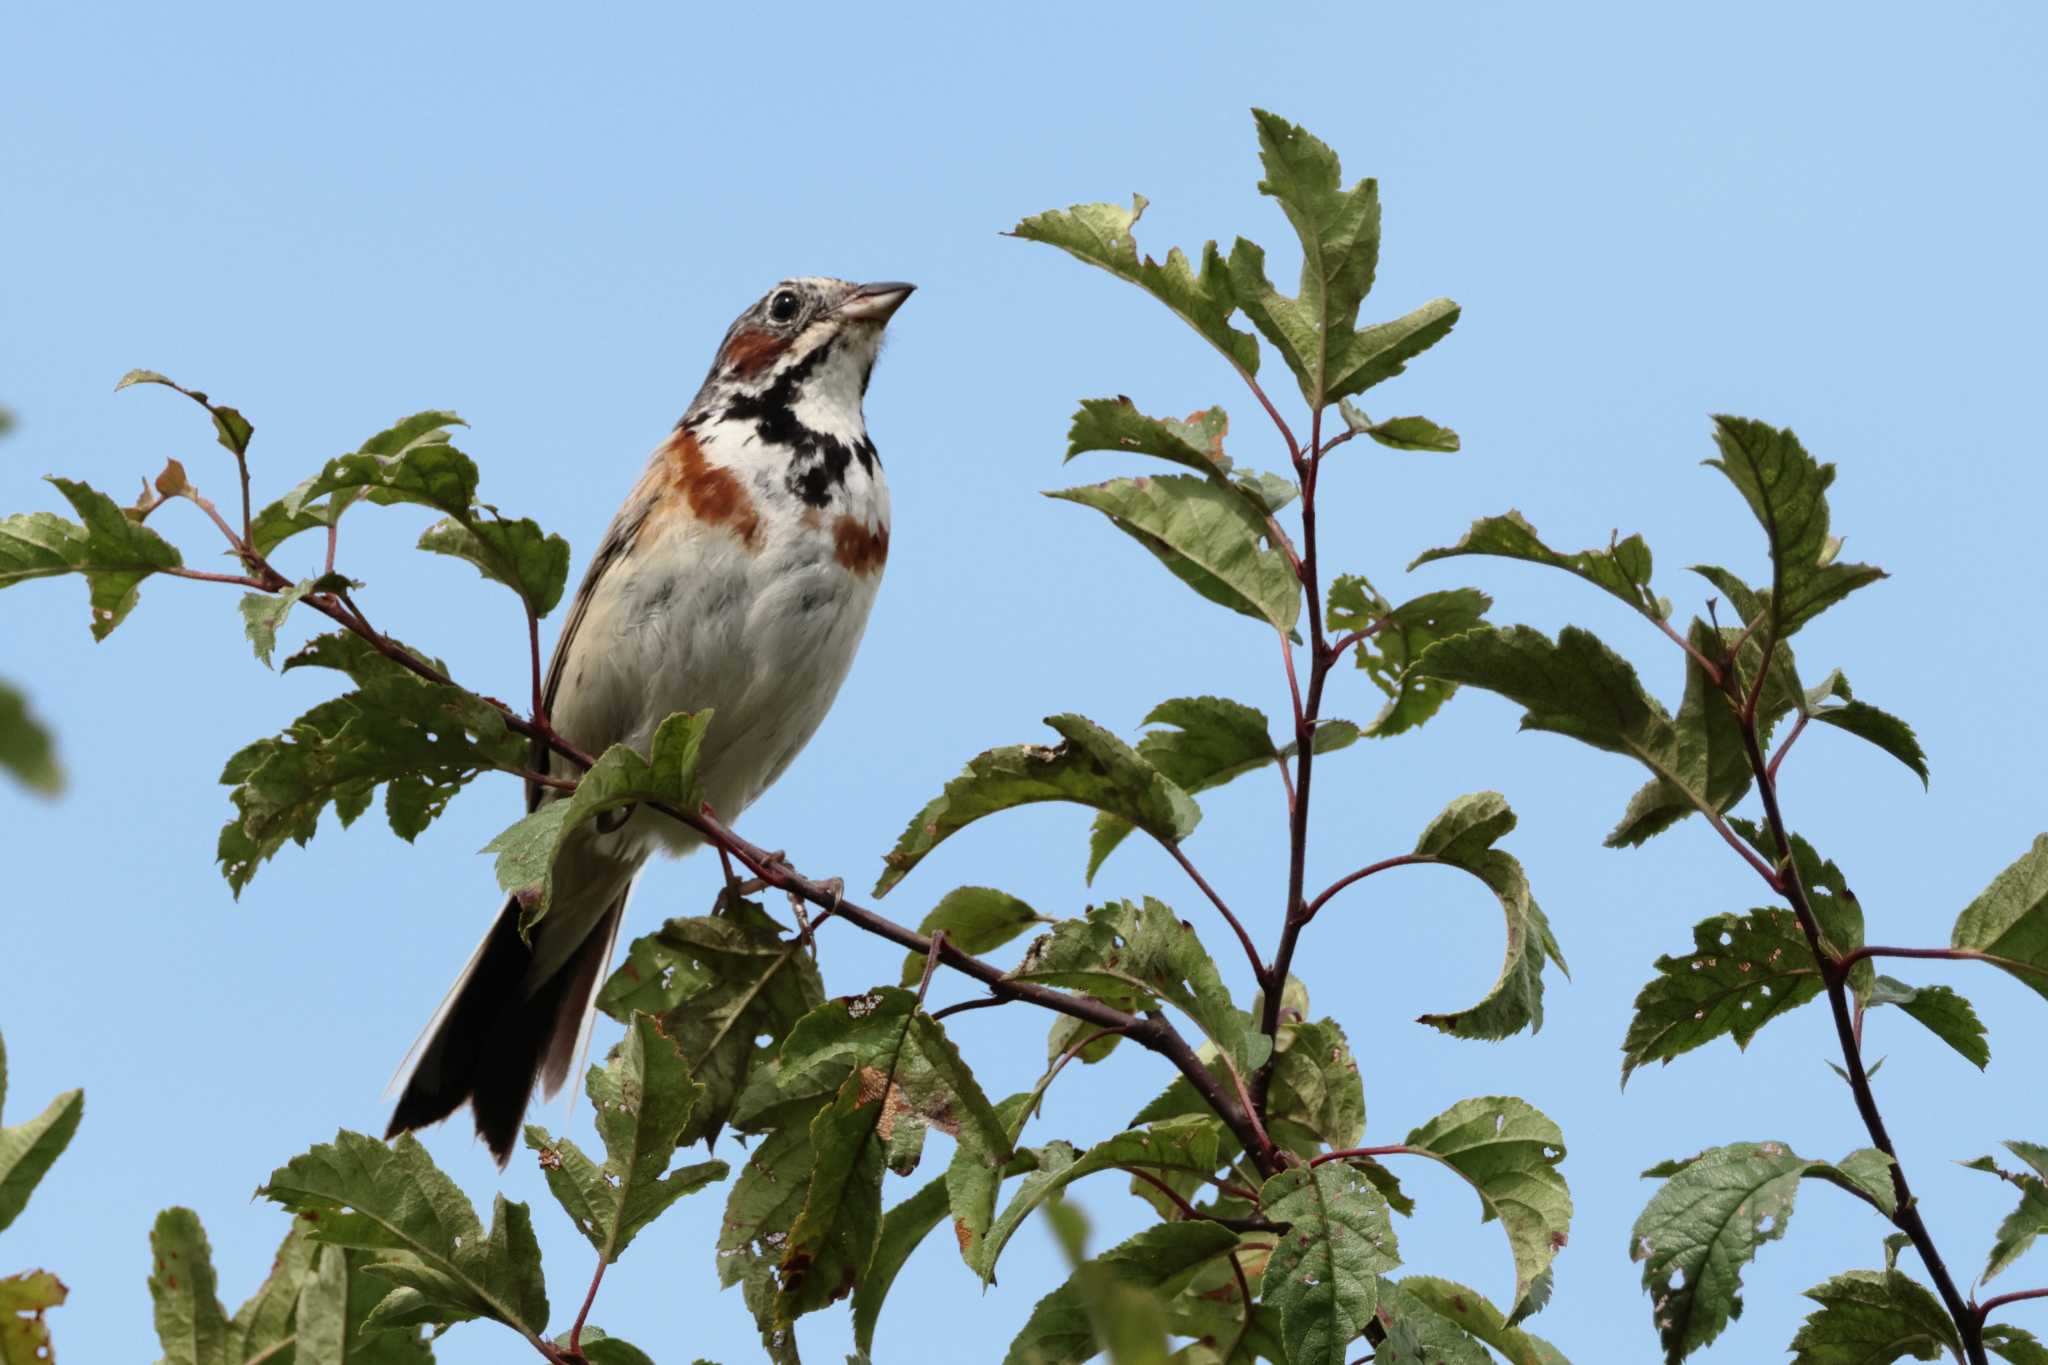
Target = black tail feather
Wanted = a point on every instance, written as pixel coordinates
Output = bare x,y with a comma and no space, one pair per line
498,1038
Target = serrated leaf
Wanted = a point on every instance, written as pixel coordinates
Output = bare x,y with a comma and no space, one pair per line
2015,1344
1400,634
26,749
191,1325
1100,234
518,554
2030,1219
1712,758
1947,1015
113,552
1401,433
736,979
1787,490
1508,1151
28,1149
1116,425
1413,1333
904,1228
1206,742
266,1318
263,613
1072,1324
24,1298
1881,728
1191,1144
1315,1100
230,428
422,741
1207,535
1091,768
1835,906
1873,1317
1743,972
1323,1275
1470,1311
528,850
1135,955
1622,569
2009,919
1462,836
1576,686
1705,1224
394,1201
641,1100
975,919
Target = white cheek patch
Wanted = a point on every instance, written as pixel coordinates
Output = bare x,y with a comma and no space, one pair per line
830,401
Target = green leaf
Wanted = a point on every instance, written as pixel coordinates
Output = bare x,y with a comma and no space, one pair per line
2015,1344
1135,955
190,1323
1100,234
1743,972
1462,836
1508,1151
28,1149
1834,905
1471,1312
423,741
1576,686
26,749
518,554
600,1348
527,851
266,1318
1787,490
1069,1325
1323,1276
1091,768
1192,1144
1414,1333
1712,760
1623,568
263,613
1881,728
835,1233
1206,535
1947,1015
113,552
24,1298
975,919
2009,919
2030,1219
903,1229
641,1100
1400,433
1400,635
346,1314
1316,1099
394,1201
1707,1222
230,428
1115,424
1211,741
1872,1317
763,1205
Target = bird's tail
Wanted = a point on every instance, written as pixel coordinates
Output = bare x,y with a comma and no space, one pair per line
504,1027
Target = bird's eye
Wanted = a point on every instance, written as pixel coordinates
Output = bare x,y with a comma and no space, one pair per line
783,306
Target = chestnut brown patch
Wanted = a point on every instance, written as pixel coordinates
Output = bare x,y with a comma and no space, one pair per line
861,550
713,492
751,352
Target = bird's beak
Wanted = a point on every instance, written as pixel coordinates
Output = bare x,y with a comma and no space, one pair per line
875,302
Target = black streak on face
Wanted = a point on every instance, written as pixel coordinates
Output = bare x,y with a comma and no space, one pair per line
817,462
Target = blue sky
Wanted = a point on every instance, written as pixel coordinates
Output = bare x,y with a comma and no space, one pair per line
1825,215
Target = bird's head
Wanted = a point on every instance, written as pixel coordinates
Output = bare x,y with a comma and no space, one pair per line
817,335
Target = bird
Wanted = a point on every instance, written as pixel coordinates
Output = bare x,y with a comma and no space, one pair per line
737,576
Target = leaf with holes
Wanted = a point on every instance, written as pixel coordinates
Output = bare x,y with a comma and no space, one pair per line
1508,1151
24,1299
1787,490
1207,535
1743,972
394,1201
113,552
1835,906
1400,634
1708,1219
641,1101
2009,920
2015,1344
1136,955
975,919
1205,742
1872,1317
1091,767
1462,836
1947,1015
1323,1275
2030,1219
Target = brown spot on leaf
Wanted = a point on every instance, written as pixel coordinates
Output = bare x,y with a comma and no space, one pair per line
861,550
712,492
751,352
962,1234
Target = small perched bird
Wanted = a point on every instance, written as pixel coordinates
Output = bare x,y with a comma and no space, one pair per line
738,577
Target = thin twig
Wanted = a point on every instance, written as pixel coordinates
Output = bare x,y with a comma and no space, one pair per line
983,1002
1984,1308
1798,729
1349,1152
1286,432
590,1297
1406,859
1848,960
1712,669
1251,951
1244,1297
239,580
1193,1214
